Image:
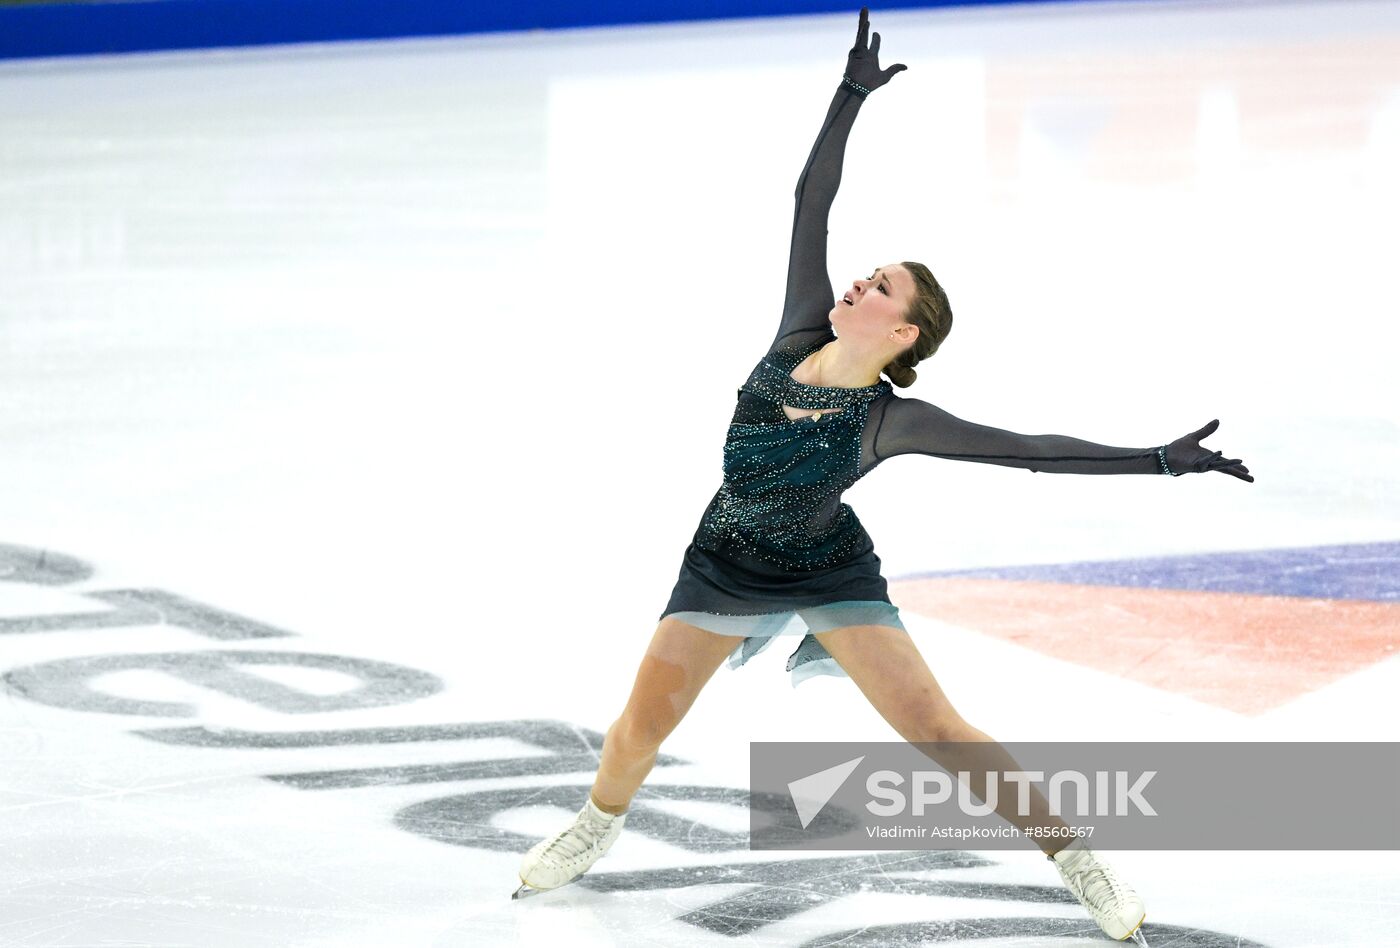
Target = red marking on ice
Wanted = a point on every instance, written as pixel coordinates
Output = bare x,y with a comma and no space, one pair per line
1246,653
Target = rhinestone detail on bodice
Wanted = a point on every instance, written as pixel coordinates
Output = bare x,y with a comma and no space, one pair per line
783,477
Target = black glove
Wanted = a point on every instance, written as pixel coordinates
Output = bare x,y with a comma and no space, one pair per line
863,64
1185,455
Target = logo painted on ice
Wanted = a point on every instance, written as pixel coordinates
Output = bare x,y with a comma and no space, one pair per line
756,894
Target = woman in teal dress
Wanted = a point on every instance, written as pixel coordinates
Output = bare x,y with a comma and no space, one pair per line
777,552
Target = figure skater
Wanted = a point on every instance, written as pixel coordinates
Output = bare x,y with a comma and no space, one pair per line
777,543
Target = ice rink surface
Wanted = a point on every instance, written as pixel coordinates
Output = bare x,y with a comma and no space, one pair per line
360,400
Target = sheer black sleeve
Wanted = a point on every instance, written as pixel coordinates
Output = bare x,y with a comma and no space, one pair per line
809,298
898,425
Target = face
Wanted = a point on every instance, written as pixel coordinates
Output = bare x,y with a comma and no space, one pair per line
872,309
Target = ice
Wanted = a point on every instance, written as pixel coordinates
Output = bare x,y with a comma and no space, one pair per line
401,369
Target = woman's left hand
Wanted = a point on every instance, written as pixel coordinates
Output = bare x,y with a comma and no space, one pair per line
1185,455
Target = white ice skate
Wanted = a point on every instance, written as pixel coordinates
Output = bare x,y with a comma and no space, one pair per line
1111,901
565,856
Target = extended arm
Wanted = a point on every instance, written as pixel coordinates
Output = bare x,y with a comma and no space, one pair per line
900,425
808,298
913,426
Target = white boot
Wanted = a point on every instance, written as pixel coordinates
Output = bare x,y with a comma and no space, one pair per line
1111,901
565,856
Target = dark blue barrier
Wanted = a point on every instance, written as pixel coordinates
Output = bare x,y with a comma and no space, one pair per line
64,29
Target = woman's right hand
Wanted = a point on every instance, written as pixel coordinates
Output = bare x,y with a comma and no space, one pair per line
863,63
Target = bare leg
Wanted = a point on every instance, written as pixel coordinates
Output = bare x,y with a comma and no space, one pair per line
677,664
888,669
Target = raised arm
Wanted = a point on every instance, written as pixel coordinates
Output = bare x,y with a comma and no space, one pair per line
808,298
912,426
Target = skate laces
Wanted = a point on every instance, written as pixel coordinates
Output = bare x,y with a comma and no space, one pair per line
1098,882
578,839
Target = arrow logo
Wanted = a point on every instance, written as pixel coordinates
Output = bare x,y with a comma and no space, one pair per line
811,793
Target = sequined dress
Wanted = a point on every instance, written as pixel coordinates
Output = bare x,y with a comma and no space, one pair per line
777,552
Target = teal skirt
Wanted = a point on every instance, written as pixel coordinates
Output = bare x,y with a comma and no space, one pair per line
730,593
809,658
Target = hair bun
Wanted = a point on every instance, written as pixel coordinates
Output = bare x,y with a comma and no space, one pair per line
901,375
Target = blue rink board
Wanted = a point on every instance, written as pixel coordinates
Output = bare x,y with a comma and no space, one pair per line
78,28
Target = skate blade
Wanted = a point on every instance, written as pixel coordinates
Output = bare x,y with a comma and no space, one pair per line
1136,935
526,890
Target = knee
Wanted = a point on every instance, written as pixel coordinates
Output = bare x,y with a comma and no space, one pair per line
937,724
641,730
